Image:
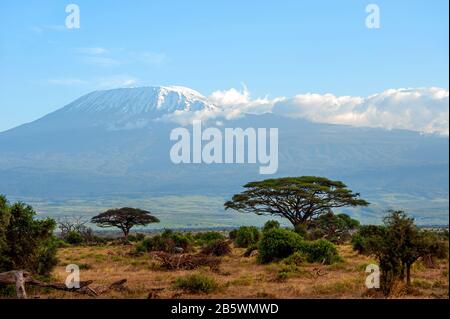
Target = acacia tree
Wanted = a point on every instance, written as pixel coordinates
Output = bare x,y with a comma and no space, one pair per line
299,199
397,245
124,219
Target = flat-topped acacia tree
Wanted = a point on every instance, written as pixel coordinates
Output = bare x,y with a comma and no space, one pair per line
124,218
299,199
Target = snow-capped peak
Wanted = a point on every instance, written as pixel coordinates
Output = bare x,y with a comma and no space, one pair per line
155,101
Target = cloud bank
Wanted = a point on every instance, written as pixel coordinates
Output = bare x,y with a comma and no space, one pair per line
417,109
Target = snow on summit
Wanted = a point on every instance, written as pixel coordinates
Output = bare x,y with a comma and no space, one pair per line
157,101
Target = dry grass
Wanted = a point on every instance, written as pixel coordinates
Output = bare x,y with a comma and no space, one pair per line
238,277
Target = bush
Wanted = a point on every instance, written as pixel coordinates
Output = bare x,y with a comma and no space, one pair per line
296,259
302,230
26,243
278,244
74,238
281,243
233,234
218,247
246,236
250,249
167,242
207,237
334,228
270,224
177,238
136,238
360,240
320,250
196,283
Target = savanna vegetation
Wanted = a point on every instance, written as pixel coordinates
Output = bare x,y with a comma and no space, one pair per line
323,253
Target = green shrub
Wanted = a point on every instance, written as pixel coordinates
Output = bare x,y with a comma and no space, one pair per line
26,243
278,244
250,249
167,241
218,247
178,239
232,234
270,224
246,236
302,230
196,283
136,238
296,259
207,237
74,238
320,250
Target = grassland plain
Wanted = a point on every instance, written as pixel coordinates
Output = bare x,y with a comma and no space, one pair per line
237,277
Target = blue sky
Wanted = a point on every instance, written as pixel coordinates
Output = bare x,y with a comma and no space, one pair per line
277,48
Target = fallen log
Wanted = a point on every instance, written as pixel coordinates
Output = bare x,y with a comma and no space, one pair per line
19,278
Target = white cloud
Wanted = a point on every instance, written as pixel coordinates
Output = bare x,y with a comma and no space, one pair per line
421,109
92,50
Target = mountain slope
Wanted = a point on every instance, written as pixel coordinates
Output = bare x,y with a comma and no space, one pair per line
112,143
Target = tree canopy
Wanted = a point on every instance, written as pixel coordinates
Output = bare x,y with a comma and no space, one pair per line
124,218
397,245
299,199
25,243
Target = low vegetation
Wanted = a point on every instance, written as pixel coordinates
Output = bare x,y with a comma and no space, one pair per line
322,254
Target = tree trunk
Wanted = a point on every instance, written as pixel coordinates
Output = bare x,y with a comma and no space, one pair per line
20,285
17,278
408,275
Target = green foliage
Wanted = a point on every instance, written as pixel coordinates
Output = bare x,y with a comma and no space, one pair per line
218,247
124,218
177,238
398,245
270,224
207,237
232,234
26,243
296,259
167,241
281,243
196,283
299,199
320,250
335,228
366,232
136,238
246,236
74,238
250,249
278,244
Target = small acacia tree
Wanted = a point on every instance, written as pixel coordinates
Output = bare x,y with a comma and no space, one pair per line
299,199
124,218
397,245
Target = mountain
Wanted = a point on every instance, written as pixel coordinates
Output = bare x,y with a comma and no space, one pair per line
116,143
